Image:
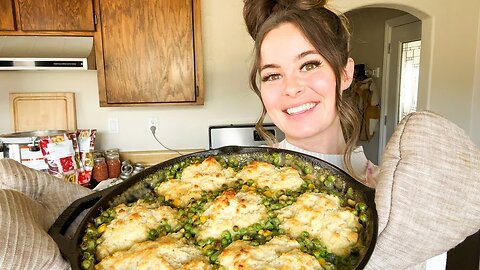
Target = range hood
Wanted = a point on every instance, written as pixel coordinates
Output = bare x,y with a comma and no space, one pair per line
44,53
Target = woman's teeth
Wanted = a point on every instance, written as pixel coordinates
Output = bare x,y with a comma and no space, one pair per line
301,108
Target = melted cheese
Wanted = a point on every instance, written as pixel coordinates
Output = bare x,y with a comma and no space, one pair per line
265,174
205,176
231,209
131,226
278,253
165,253
323,218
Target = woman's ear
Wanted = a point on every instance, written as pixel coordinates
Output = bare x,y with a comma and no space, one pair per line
347,76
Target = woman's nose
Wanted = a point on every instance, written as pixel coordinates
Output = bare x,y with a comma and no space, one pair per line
293,86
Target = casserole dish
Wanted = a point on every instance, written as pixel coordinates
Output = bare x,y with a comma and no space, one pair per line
139,185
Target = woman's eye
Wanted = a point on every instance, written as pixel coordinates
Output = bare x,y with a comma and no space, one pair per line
271,77
310,65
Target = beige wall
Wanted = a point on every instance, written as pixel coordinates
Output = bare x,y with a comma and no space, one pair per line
449,55
475,131
448,78
227,48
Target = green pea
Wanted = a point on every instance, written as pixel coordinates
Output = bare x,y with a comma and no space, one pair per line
86,264
242,231
361,207
328,184
91,231
153,234
317,243
363,218
307,169
225,242
99,221
226,235
209,252
214,256
259,238
349,193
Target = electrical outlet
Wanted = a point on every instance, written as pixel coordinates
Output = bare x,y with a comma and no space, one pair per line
152,122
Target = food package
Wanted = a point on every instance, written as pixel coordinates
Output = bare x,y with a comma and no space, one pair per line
86,144
62,156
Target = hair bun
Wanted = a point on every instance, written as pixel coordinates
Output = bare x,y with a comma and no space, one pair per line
256,12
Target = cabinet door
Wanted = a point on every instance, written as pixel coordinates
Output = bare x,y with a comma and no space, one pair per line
56,15
148,50
7,20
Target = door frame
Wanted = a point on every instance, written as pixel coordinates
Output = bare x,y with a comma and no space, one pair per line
389,25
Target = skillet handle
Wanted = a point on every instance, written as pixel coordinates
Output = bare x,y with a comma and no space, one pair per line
68,246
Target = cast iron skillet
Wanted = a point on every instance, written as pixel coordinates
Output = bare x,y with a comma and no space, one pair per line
134,188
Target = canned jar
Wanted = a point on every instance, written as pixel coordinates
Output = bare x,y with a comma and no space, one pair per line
114,165
100,169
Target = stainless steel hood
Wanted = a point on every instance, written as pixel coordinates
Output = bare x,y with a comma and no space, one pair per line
44,53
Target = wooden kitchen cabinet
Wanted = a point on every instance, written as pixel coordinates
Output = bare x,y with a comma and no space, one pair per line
56,15
7,20
152,52
45,17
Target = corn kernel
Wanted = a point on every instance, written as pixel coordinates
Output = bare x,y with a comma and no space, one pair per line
203,219
102,228
322,261
177,202
268,193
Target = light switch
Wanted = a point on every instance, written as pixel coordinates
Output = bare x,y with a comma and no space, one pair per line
112,125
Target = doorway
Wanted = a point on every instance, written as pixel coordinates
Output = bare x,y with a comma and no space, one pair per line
400,79
367,47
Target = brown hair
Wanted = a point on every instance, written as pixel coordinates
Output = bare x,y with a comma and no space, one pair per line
327,32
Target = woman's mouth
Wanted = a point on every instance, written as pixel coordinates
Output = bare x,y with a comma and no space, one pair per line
300,109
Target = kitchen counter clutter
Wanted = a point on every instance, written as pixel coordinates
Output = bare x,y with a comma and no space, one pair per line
64,154
69,155
111,172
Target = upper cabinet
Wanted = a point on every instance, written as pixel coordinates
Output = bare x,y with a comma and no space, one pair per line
7,20
146,52
56,15
151,52
24,16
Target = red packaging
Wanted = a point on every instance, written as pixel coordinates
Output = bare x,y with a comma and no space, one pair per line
86,145
62,156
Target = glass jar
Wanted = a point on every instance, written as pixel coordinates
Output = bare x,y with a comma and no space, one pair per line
100,169
114,165
112,151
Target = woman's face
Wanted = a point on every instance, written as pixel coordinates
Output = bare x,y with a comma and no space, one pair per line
298,87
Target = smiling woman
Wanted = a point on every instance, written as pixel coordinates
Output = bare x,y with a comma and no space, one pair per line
301,56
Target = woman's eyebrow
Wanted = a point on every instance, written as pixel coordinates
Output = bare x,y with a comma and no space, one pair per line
305,53
268,66
300,56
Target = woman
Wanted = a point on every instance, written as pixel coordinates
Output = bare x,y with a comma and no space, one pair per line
302,73
301,58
